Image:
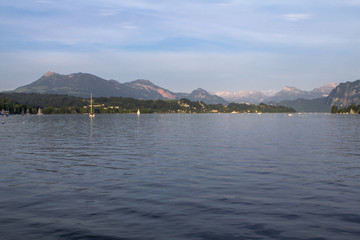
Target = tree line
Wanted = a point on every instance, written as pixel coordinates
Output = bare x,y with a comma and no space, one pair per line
17,103
351,109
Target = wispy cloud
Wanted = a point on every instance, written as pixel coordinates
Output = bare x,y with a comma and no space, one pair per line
296,17
108,12
43,1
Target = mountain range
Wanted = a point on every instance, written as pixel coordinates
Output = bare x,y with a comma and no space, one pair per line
82,84
287,93
341,96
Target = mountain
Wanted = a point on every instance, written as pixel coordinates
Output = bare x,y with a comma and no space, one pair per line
82,84
287,93
292,93
345,94
77,84
245,96
341,96
323,91
145,89
202,95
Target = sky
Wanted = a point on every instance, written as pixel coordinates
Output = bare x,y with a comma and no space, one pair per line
217,45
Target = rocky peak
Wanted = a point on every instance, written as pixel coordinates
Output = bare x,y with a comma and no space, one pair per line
290,89
345,94
202,95
325,90
48,74
143,81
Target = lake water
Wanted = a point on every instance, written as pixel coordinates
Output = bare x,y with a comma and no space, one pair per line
180,176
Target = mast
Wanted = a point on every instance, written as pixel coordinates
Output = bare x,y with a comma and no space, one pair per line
91,106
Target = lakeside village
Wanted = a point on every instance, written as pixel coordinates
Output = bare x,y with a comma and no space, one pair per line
27,103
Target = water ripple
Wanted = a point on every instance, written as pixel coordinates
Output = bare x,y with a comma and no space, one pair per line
180,176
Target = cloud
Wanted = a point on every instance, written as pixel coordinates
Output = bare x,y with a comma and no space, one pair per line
349,2
108,12
296,17
43,1
182,44
229,25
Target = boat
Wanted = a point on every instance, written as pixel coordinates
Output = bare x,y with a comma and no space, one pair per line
4,113
91,114
138,112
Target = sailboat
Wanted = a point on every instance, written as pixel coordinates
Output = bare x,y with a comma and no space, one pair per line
138,112
39,112
91,114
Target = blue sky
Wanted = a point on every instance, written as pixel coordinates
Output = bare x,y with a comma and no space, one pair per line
218,45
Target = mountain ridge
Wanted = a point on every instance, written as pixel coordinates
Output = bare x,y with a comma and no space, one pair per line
204,96
82,84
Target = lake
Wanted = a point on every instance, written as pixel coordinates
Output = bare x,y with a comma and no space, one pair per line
180,176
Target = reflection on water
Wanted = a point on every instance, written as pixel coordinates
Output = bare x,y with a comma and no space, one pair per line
180,176
91,126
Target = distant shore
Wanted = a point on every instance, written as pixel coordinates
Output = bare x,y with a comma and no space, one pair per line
33,103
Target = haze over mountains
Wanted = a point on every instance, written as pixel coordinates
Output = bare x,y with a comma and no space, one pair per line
82,84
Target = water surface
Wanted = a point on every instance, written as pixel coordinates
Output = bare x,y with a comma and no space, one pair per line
180,176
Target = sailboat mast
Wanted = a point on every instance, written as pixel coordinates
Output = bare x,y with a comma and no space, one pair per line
91,105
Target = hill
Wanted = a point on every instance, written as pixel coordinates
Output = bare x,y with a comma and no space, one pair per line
307,105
